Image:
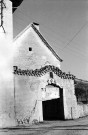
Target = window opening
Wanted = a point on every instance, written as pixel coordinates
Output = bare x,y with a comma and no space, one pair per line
51,75
30,48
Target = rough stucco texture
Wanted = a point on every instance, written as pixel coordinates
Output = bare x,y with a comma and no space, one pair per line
28,106
26,98
39,56
70,103
6,76
82,109
28,88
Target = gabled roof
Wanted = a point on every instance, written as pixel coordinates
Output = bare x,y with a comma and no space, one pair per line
42,38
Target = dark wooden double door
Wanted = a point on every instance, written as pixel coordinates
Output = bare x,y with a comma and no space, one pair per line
53,109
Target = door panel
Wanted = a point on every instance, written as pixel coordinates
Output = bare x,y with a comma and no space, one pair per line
53,109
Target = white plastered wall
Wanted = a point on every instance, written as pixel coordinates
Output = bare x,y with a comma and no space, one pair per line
6,75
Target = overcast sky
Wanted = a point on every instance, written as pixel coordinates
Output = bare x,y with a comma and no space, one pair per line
64,24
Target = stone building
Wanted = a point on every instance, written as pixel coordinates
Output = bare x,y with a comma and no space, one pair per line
32,86
42,90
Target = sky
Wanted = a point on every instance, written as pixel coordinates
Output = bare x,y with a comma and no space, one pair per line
64,24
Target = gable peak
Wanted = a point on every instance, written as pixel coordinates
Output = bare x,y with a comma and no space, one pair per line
36,25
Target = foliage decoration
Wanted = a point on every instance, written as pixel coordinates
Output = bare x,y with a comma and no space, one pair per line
42,71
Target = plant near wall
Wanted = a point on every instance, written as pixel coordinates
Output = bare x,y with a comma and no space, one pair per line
81,91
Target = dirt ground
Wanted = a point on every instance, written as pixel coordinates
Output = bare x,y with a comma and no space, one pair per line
70,127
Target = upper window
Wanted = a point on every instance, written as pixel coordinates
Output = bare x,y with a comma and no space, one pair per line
51,75
30,48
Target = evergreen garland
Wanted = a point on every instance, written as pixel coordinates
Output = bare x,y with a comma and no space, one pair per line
42,71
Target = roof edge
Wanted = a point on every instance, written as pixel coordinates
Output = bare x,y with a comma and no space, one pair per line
46,43
41,37
21,32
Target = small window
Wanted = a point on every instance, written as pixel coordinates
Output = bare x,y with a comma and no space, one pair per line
51,75
30,48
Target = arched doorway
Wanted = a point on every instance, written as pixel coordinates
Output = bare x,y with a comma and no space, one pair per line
53,108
